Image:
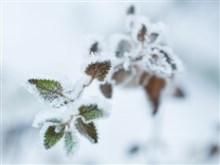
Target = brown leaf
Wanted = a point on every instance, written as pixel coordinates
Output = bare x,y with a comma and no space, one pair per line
120,75
153,89
142,33
87,130
98,70
94,48
106,90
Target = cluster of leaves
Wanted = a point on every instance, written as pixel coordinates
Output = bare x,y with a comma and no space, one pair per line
140,58
81,119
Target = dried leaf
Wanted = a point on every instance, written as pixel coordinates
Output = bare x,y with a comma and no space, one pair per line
87,130
142,33
131,10
98,70
94,48
90,112
106,90
51,137
153,90
120,75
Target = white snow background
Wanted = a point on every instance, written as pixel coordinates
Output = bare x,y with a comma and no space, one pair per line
48,39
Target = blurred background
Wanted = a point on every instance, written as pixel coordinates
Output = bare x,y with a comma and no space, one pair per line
48,40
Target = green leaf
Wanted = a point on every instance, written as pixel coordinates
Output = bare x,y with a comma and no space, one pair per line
98,70
90,112
50,90
69,142
87,130
51,137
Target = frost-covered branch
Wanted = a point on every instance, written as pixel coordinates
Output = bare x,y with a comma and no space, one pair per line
141,56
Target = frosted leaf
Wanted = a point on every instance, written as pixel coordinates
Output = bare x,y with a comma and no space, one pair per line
53,117
91,112
98,70
153,37
51,137
94,48
124,46
87,129
140,29
50,91
93,105
162,63
70,143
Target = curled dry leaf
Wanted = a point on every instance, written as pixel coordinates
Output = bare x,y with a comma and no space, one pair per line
153,89
106,90
98,70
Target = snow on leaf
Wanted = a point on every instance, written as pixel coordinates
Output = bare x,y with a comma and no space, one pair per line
90,112
124,46
162,61
153,89
98,70
50,91
141,36
144,78
153,37
87,130
51,137
54,120
70,143
106,90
